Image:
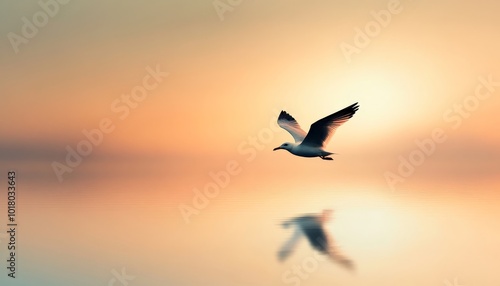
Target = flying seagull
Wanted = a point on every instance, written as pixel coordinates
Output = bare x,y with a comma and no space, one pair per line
312,226
312,143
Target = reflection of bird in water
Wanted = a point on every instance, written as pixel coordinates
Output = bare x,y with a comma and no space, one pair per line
312,144
312,226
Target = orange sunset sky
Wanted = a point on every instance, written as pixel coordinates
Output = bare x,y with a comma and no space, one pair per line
223,73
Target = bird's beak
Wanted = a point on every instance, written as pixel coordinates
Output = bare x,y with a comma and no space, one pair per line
277,148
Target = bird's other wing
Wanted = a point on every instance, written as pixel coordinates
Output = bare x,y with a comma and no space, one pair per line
290,245
316,236
323,242
321,130
287,122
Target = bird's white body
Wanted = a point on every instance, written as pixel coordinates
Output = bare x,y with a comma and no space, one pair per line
307,151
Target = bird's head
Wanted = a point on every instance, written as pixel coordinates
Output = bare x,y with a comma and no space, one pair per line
286,146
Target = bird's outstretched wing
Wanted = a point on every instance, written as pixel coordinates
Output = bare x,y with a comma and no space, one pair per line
321,130
322,241
287,122
315,233
290,245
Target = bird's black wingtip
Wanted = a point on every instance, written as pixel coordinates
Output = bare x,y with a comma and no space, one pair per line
284,115
354,107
